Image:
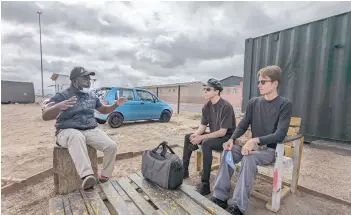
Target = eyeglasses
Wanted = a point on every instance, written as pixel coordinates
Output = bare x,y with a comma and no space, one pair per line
263,82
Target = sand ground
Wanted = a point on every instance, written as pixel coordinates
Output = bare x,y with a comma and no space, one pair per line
27,142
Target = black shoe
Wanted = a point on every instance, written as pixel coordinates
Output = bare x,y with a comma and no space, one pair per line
186,174
88,182
203,188
220,203
234,210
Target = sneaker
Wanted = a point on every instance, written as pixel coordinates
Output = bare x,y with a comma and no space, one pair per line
88,182
220,203
186,174
203,188
103,179
234,210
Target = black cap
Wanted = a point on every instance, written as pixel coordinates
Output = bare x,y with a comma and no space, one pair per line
215,84
79,71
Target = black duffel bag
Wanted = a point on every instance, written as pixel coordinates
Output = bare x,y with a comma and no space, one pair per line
162,167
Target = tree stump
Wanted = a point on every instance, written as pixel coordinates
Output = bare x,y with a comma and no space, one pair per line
66,178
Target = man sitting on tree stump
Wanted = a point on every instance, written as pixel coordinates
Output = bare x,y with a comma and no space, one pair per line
76,126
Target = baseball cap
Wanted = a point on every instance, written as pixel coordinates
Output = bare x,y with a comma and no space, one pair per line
215,84
79,71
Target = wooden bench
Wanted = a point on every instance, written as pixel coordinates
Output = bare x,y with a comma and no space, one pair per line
288,154
66,178
134,195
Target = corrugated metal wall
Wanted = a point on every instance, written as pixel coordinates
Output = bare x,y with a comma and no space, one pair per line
316,63
15,91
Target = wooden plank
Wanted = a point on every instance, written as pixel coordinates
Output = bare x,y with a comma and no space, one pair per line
179,197
158,196
126,198
56,206
77,203
32,180
119,205
141,203
295,121
94,203
66,205
13,180
203,201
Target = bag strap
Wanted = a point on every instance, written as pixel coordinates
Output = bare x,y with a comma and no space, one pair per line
161,144
166,146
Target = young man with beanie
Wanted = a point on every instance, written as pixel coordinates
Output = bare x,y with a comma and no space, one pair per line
76,126
219,115
269,117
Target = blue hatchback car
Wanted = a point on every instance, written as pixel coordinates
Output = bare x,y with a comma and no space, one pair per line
141,105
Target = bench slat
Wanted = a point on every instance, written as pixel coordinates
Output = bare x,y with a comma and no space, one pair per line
94,203
77,203
158,196
56,206
115,199
126,198
140,202
180,198
203,201
66,205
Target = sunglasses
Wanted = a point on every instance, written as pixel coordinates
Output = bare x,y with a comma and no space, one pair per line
208,89
263,82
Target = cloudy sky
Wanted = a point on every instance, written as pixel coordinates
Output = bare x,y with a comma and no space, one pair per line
142,43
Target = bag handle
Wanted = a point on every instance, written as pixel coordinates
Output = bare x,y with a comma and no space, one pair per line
161,144
165,146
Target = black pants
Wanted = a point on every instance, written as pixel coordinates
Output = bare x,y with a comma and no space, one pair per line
207,146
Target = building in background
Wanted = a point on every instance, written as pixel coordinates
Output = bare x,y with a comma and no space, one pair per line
17,92
190,92
62,82
232,91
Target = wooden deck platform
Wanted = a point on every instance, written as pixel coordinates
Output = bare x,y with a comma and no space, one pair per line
134,195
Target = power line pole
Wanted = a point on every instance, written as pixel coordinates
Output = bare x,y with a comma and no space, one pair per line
41,57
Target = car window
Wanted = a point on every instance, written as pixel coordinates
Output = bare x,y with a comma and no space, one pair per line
101,93
127,93
146,96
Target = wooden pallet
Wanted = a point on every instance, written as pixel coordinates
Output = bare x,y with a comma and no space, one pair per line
134,195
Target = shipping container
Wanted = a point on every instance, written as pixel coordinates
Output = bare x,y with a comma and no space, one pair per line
315,59
17,92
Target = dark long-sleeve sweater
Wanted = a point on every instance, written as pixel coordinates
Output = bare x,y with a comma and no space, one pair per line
269,120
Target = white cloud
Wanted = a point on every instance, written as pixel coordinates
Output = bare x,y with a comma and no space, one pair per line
144,42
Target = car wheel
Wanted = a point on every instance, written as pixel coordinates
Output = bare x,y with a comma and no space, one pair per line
100,121
115,120
165,116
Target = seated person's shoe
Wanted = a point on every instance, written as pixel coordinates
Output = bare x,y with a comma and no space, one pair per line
234,210
88,182
220,203
203,188
186,174
103,179
193,147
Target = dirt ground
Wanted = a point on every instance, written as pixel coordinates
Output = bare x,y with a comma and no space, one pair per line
27,142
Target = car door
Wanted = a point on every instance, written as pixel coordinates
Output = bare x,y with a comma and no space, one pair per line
130,109
149,108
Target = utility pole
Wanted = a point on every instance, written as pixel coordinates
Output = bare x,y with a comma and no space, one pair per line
41,57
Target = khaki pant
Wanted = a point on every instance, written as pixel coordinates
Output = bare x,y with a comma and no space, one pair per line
76,141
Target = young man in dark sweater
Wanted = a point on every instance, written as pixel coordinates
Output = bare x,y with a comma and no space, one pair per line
219,115
269,117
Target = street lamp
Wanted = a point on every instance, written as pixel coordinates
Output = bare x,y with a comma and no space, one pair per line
41,57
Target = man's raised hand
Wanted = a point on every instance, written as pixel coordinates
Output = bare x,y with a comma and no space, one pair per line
64,105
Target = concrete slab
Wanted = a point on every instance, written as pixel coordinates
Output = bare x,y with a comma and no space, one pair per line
336,146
